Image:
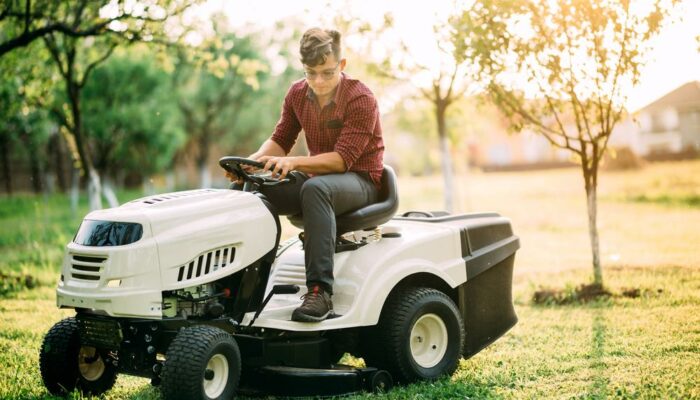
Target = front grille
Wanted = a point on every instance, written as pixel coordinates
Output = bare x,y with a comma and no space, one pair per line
206,263
87,268
101,333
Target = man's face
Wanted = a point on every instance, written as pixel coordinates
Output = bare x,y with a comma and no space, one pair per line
323,78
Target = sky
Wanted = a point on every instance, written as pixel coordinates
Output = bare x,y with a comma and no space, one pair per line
673,60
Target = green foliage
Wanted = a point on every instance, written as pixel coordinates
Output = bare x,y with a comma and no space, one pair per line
26,123
687,200
131,116
562,68
23,22
214,83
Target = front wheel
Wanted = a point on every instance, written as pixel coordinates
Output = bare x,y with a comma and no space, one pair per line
67,365
202,362
420,335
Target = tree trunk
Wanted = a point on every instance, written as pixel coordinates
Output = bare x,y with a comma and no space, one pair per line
446,159
108,191
592,204
34,161
37,181
94,184
56,152
204,175
203,159
74,191
148,189
170,180
6,171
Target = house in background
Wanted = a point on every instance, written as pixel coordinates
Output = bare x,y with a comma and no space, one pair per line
666,127
500,151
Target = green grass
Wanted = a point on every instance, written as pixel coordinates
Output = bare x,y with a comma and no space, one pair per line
616,348
669,200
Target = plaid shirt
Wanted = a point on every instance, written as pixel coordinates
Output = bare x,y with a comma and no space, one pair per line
348,125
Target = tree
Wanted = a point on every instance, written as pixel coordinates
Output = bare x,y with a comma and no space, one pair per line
98,27
214,83
131,118
8,132
26,124
441,83
562,68
23,22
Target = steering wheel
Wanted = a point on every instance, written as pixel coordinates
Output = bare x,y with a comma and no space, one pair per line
234,165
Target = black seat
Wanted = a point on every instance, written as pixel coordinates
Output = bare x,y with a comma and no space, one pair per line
368,216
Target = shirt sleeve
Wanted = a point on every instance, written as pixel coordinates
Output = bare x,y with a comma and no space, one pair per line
358,127
288,127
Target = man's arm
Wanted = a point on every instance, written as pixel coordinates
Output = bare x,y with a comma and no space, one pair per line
326,163
268,148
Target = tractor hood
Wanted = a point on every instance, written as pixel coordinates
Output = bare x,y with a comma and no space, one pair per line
165,242
190,224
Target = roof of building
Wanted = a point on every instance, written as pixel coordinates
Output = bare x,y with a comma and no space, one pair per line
684,96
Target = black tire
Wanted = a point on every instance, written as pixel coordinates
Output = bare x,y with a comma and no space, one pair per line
381,382
66,365
438,337
185,371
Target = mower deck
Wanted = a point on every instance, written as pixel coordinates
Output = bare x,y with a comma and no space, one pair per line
305,382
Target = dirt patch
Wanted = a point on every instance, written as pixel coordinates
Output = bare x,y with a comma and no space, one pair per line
587,293
634,293
584,293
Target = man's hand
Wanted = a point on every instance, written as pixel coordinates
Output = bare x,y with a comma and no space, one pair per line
282,165
234,178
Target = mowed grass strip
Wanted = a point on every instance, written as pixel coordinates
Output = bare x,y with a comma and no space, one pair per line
627,348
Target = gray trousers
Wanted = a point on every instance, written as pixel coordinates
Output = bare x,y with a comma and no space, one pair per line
320,199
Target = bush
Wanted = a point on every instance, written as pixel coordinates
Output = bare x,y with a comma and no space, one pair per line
621,159
14,283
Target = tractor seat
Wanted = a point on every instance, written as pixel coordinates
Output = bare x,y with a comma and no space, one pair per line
369,216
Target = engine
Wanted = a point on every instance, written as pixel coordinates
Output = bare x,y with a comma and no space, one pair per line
197,301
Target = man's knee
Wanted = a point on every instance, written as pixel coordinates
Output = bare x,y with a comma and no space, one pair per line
315,187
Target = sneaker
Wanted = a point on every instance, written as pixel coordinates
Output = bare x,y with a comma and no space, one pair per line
316,307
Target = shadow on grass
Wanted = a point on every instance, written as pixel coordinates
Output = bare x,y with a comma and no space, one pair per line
599,385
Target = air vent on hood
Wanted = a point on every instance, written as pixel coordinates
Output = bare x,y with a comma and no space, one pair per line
206,263
172,196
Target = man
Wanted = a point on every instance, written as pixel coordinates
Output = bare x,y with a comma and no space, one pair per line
340,120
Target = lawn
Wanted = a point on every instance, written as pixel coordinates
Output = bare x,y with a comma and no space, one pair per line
645,347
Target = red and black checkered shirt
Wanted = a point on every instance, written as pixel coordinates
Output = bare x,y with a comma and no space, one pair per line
348,125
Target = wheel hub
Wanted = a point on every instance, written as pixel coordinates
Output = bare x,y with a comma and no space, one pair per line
216,376
90,363
429,340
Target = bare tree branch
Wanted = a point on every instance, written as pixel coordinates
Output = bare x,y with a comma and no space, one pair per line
100,27
92,66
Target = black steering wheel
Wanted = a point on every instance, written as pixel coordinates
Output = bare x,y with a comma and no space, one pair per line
234,165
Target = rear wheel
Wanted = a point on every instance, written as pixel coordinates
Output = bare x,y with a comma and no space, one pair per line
202,362
66,365
420,335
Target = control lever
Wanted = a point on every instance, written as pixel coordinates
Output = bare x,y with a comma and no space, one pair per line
277,289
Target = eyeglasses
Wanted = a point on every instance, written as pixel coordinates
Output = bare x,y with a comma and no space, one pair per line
326,75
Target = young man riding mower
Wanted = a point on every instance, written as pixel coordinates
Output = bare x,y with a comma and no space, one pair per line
340,118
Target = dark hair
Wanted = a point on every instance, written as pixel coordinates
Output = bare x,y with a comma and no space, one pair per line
316,44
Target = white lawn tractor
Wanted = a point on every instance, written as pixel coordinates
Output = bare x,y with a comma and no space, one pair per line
195,291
